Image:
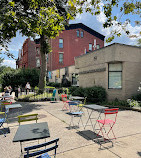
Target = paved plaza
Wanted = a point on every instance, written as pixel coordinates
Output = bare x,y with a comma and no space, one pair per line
75,142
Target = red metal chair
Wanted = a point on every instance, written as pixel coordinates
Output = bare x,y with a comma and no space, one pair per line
108,122
65,102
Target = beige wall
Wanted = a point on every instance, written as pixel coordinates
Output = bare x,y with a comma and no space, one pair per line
96,61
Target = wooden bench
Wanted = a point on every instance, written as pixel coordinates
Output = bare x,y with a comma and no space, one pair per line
30,117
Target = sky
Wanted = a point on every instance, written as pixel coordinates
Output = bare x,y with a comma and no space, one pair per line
94,22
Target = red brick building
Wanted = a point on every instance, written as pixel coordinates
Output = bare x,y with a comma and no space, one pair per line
29,55
75,40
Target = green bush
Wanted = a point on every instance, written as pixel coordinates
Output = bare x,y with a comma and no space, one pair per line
53,84
94,94
20,77
137,97
72,89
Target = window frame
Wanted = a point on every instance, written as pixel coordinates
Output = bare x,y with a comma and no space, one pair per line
82,34
61,45
62,58
91,47
78,33
115,71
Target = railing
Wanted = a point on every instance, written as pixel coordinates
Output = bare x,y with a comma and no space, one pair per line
33,94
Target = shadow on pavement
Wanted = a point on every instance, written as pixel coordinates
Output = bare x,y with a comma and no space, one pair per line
5,131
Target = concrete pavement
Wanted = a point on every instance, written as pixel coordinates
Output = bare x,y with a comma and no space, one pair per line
76,143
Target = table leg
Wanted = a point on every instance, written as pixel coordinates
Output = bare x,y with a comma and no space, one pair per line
99,116
21,147
89,118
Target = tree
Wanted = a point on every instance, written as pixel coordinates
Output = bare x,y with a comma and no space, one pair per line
1,60
119,23
46,18
139,42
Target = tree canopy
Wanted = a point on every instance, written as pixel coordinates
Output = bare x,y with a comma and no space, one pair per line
48,17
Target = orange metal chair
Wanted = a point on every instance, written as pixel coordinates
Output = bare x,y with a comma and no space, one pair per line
65,102
108,122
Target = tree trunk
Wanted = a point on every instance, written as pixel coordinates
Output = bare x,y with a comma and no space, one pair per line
44,43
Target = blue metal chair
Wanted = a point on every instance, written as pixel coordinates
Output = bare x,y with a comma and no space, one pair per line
42,153
2,121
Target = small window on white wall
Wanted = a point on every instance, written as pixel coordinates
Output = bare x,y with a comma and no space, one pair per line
115,76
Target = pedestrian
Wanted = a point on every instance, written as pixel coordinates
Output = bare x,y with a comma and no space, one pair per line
27,87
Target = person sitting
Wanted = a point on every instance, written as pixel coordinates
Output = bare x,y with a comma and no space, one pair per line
6,92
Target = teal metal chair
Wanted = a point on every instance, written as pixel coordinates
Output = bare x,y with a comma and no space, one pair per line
2,121
53,95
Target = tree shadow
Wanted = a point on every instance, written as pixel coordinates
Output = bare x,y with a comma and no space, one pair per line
27,107
139,153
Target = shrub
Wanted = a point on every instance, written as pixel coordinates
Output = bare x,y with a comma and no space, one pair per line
137,97
53,84
72,89
94,94
116,103
21,77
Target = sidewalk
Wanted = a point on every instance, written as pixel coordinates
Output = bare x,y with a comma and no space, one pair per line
76,143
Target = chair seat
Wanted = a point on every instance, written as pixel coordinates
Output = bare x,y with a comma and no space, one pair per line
107,121
45,155
77,113
2,120
80,105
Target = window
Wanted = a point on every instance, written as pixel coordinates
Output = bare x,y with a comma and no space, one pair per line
82,34
38,50
60,57
115,76
37,62
77,33
60,43
97,46
90,47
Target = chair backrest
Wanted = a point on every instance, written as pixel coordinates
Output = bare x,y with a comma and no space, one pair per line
54,92
113,111
40,152
64,97
30,117
3,103
3,118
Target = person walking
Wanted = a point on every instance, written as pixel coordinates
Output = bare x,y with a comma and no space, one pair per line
27,87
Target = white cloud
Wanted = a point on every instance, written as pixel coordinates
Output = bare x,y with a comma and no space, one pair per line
16,42
101,17
11,63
